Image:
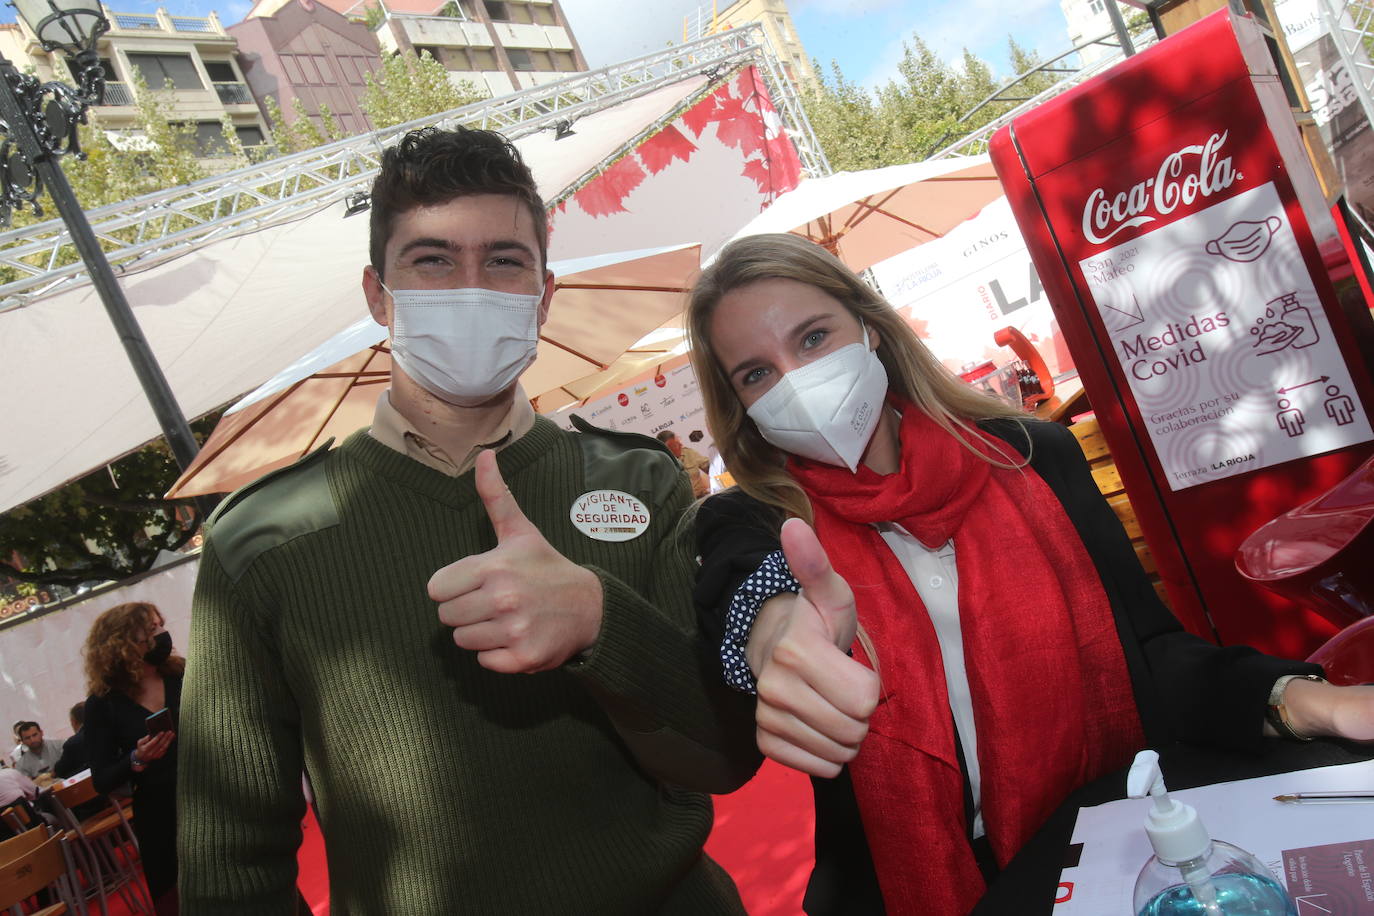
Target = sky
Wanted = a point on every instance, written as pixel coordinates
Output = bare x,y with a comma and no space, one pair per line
864,36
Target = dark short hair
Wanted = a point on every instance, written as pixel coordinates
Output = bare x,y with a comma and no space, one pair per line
78,713
666,435
432,166
25,726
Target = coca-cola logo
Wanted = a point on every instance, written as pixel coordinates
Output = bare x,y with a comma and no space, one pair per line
1183,176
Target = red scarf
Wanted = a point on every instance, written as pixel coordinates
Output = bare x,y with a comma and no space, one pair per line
1051,695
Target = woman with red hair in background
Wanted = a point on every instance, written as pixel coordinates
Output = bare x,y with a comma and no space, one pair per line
132,673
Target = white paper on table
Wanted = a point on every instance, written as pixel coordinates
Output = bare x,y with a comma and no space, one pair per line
1242,813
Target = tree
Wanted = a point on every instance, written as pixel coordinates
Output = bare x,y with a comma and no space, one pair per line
409,87
110,524
929,104
405,88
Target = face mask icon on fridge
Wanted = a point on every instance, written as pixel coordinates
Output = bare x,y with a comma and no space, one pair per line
1246,240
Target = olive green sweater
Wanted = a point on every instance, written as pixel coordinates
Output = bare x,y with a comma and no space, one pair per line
442,787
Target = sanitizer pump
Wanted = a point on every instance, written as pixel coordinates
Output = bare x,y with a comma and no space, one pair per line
1190,873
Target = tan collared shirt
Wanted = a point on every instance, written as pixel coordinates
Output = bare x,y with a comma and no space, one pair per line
394,431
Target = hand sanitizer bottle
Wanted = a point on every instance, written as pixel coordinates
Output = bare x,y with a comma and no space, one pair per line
1190,873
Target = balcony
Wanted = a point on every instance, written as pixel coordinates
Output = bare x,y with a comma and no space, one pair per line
117,94
233,94
161,21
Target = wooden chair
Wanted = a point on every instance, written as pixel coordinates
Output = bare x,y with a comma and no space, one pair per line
17,818
106,849
1108,479
42,867
23,844
33,831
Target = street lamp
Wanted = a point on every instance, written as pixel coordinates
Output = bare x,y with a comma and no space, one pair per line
39,126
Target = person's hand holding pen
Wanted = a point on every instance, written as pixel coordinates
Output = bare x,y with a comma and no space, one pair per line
1317,709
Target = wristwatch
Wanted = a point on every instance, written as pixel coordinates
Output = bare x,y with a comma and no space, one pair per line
1277,715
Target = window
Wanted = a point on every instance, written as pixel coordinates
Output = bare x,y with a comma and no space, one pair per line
210,139
157,69
250,136
519,58
543,15
220,71
421,50
519,12
541,61
564,62
1097,7
483,59
496,11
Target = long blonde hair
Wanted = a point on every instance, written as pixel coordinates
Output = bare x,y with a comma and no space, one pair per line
912,371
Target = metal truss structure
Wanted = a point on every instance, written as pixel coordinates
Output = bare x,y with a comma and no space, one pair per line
1351,24
156,227
1016,93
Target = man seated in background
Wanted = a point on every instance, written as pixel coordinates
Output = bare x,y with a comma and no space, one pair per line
36,754
15,789
692,460
75,757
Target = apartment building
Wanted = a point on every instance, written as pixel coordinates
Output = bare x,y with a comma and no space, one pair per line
497,45
1089,19
304,55
194,53
776,20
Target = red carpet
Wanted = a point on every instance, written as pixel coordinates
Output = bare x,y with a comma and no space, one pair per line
762,837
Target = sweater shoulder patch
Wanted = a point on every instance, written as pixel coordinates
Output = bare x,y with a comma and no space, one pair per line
630,462
272,510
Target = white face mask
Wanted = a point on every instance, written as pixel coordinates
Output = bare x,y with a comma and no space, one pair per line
464,345
826,410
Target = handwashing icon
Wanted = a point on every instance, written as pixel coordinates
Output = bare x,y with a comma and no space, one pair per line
1286,323
1246,240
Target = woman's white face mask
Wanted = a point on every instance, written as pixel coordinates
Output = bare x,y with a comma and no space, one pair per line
464,345
826,410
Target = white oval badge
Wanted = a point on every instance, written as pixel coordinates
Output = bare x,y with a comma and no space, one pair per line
609,515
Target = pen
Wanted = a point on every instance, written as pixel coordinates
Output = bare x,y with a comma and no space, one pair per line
1327,798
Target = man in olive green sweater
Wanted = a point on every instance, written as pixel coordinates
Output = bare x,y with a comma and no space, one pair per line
470,628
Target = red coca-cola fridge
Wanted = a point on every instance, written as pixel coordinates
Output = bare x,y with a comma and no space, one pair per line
1188,251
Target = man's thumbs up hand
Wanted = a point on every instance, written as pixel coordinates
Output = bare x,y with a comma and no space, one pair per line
521,606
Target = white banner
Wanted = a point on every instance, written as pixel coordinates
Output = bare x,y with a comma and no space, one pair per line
668,399
957,291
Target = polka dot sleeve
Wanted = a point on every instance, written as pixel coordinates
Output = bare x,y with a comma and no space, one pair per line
771,578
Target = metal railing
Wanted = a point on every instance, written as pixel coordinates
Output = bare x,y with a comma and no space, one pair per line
193,24
137,21
155,227
233,94
117,94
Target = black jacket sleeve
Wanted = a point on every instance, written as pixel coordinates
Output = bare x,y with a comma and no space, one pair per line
110,767
734,532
